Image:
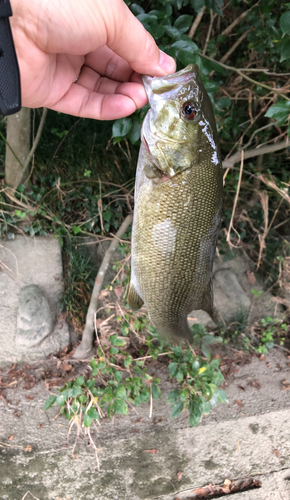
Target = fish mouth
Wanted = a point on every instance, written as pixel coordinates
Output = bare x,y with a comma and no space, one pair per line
160,85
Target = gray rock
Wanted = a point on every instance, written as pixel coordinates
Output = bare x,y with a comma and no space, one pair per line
26,261
34,318
232,293
229,296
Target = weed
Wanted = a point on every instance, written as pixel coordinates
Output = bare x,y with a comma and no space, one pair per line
118,380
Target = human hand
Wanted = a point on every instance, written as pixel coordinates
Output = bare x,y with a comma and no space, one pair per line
84,58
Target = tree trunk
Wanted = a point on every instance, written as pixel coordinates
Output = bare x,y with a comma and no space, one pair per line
18,142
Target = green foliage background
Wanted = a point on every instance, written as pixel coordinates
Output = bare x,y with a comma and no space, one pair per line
79,164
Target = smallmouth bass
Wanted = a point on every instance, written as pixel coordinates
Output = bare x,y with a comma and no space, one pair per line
178,199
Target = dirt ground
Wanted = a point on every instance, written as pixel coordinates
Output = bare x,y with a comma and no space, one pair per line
142,458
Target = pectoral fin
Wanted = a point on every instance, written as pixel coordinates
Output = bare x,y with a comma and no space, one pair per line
134,300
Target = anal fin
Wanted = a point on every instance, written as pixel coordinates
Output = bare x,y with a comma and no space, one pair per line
134,300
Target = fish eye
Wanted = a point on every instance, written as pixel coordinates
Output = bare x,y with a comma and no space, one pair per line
188,110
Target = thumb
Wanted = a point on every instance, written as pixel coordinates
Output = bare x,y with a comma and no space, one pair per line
128,38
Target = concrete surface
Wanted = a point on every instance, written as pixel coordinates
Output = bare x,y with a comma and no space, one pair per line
26,261
250,435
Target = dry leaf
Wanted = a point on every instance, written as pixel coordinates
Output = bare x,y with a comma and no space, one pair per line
241,387
66,367
179,475
28,383
251,277
276,452
11,437
255,383
119,291
152,451
28,447
239,402
285,385
262,357
28,396
40,426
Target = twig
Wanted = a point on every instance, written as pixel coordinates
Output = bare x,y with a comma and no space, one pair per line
241,73
235,203
234,46
29,492
235,158
272,184
196,23
212,18
151,403
85,349
64,137
34,145
230,28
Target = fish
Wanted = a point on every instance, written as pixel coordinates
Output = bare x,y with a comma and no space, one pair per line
177,204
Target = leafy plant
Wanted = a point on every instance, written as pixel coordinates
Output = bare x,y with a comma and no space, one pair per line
118,380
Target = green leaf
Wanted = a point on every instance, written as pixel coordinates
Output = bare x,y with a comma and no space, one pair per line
224,102
172,396
60,400
197,5
187,45
176,409
87,420
285,50
121,127
135,131
179,376
120,392
146,18
114,350
76,391
120,406
107,396
117,341
93,413
279,111
184,395
79,380
128,361
49,402
183,23
177,351
285,23
156,392
194,419
215,5
173,32
136,9
173,369
118,376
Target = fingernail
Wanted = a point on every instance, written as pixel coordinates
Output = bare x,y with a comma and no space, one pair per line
166,62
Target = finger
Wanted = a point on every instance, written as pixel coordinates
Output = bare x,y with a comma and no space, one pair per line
91,80
127,37
107,63
83,102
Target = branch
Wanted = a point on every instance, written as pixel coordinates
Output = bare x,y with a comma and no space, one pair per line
196,23
34,146
242,74
229,162
37,139
85,349
236,21
235,45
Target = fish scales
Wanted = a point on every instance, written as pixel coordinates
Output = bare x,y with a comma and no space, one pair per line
178,195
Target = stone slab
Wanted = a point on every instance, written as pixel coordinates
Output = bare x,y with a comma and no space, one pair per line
232,442
25,261
232,293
